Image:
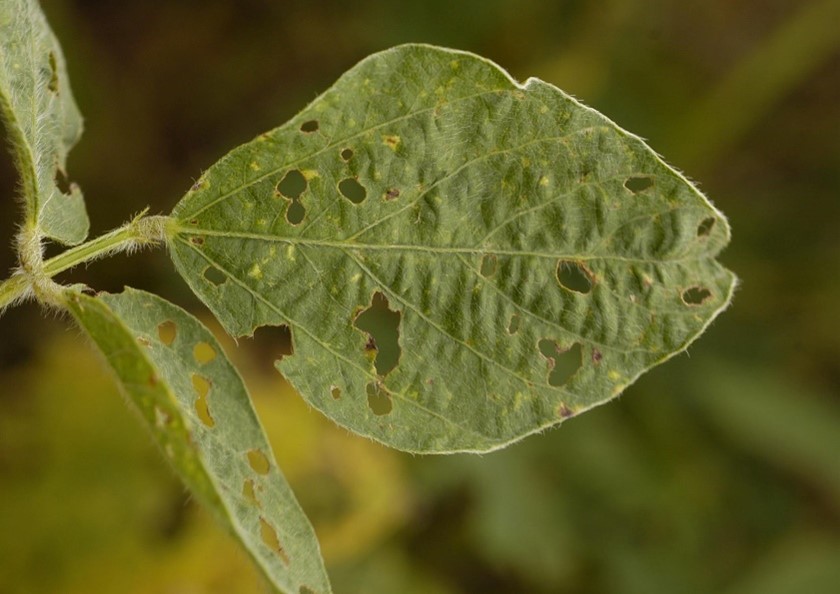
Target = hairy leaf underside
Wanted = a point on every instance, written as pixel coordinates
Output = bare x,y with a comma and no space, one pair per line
42,121
532,257
191,398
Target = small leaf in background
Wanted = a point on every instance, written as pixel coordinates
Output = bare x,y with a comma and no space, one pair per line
199,412
535,258
42,121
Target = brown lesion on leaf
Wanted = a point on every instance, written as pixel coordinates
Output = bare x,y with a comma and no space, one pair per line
564,412
488,265
392,194
597,356
197,240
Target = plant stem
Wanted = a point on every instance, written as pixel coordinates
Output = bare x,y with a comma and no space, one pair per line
139,232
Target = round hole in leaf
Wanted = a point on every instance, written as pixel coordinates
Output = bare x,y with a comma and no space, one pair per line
167,331
258,462
309,127
295,212
574,276
513,324
351,189
638,183
292,185
379,400
704,229
488,265
305,590
203,353
347,154
214,276
696,295
335,392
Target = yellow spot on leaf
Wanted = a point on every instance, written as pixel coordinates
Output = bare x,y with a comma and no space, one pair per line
255,272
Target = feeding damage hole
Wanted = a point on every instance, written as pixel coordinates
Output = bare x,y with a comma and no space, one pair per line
638,183
201,385
488,266
269,538
335,392
351,189
249,493
214,276
574,276
309,127
167,331
379,400
270,344
562,363
513,324
53,84
305,590
203,353
258,462
696,295
291,187
383,328
704,229
347,154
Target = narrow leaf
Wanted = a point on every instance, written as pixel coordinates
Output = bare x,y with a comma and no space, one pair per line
42,121
529,259
194,402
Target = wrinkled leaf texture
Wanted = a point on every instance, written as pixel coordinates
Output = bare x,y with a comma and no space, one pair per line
511,227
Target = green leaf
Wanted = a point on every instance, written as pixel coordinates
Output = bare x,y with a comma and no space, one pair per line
42,120
537,258
194,402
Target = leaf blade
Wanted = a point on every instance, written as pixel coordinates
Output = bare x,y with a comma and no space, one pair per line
477,194
198,410
42,120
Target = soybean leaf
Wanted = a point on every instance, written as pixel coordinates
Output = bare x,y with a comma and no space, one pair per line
194,402
529,258
42,121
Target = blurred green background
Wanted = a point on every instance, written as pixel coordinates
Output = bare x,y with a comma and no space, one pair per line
718,472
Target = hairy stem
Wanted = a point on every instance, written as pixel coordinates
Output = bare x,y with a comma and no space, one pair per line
140,232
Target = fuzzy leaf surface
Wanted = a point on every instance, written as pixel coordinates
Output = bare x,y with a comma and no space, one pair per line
540,258
41,119
196,406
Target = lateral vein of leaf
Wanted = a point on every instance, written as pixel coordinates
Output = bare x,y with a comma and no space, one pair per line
469,163
432,323
325,346
332,145
417,248
551,323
